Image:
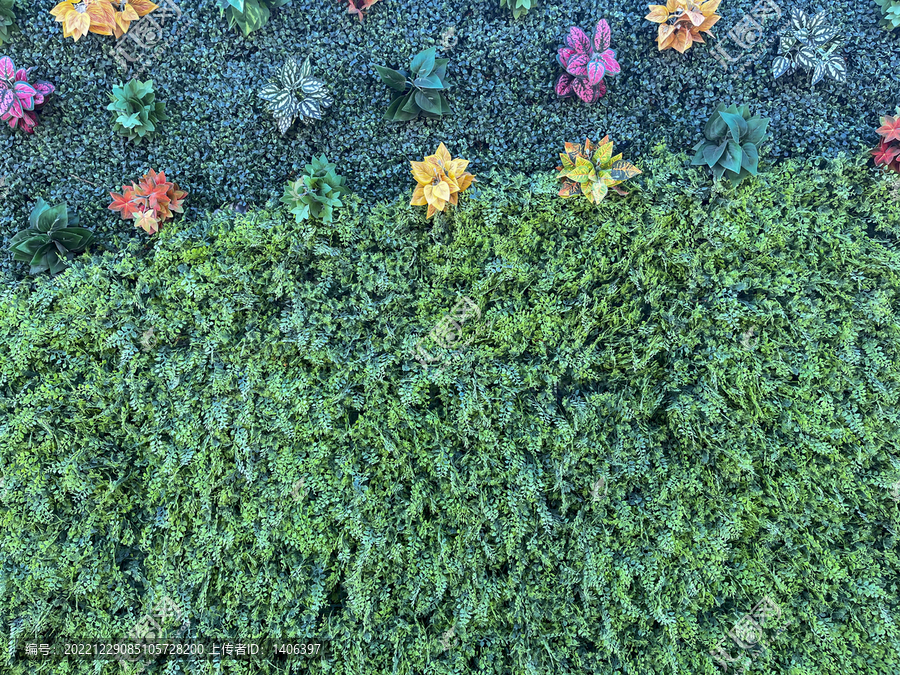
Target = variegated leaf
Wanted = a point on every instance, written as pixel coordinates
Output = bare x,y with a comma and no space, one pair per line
821,35
564,85
598,191
584,90
623,170
603,153
570,189
609,61
595,71
806,57
583,171
290,74
578,65
836,68
285,104
780,66
306,68
284,123
818,72
798,19
578,40
8,99
271,92
816,23
309,108
785,43
311,85
323,99
602,36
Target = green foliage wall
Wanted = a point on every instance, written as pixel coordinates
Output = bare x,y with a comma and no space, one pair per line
728,362
221,144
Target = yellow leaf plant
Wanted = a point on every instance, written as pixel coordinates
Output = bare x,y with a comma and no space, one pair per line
104,17
440,179
682,21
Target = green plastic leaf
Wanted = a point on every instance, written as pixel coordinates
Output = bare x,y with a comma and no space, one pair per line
731,159
411,106
713,153
750,158
756,130
392,78
430,82
36,212
440,68
73,238
715,127
736,125
423,62
397,112
429,101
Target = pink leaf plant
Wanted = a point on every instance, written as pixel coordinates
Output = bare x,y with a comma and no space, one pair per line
20,101
586,62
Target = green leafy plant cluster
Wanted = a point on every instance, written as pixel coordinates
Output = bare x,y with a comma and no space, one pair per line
421,91
730,143
8,26
890,13
248,15
729,367
137,113
518,7
50,240
316,193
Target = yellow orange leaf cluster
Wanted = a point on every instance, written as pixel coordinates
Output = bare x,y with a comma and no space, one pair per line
104,17
682,21
591,169
440,179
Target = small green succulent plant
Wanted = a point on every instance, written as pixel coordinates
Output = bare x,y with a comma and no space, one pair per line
294,94
890,13
8,26
730,146
248,15
316,193
137,112
51,239
518,7
421,92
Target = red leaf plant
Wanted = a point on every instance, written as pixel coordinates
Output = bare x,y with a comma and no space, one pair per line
150,202
887,154
586,61
357,7
20,101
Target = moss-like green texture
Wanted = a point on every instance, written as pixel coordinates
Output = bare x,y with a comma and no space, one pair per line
728,363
